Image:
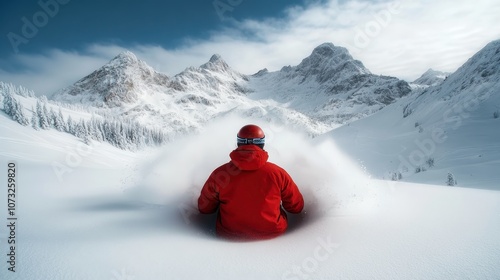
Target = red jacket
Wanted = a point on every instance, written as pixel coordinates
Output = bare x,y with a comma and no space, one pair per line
250,194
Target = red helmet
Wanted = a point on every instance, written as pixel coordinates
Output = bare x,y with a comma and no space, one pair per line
250,134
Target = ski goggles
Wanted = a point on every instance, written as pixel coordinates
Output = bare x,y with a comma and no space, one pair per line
246,141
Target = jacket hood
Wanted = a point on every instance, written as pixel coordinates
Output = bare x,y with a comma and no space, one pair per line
249,157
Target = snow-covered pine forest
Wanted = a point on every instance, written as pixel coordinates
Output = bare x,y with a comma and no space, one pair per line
124,134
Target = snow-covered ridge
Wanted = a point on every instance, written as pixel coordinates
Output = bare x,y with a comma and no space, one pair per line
431,77
476,80
440,135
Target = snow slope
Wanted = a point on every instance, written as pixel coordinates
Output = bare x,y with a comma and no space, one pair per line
110,214
452,123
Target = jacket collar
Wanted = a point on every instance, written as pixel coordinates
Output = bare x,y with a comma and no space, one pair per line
249,157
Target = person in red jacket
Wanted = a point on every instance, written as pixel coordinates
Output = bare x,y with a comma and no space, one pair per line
250,193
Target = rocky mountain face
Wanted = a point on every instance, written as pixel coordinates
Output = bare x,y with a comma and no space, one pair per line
121,81
330,85
329,63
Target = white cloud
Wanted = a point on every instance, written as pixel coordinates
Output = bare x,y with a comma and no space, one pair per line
398,38
46,73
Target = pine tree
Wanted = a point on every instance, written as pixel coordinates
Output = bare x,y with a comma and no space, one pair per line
451,181
14,109
138,135
7,103
105,130
47,114
95,129
92,128
87,135
81,130
70,127
35,122
120,138
52,118
100,130
42,116
17,113
86,139
59,121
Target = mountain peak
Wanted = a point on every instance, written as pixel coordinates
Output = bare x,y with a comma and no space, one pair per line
327,59
431,71
125,57
431,77
330,50
127,54
122,80
216,63
216,58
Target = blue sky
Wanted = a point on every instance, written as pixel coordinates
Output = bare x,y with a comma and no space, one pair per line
128,22
49,44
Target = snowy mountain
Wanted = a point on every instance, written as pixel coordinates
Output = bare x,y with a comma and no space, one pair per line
452,128
330,86
431,78
129,88
327,88
126,80
473,83
121,81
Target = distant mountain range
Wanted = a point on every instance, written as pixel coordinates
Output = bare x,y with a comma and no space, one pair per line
326,89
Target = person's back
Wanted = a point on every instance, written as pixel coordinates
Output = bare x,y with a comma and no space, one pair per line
250,192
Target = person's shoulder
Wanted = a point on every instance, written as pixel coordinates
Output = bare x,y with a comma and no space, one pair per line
225,166
276,171
274,167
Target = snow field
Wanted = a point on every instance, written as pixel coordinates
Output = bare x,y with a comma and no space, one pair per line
123,215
